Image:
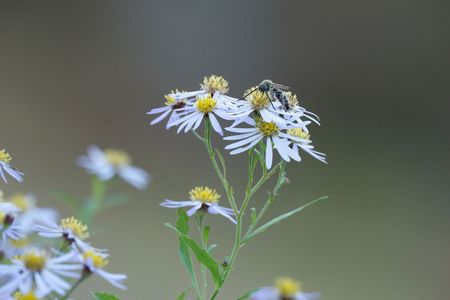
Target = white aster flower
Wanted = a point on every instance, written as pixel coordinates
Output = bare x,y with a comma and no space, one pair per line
202,199
284,289
95,261
9,227
31,214
73,231
273,134
37,271
209,107
111,162
5,167
172,105
301,140
212,85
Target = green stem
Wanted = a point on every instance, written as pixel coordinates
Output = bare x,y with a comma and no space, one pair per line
270,199
212,157
249,192
75,286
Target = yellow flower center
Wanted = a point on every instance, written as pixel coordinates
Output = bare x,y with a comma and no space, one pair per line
292,99
298,132
117,158
169,100
74,225
204,194
287,287
214,84
206,105
29,296
268,128
21,201
4,156
20,243
34,261
97,260
257,99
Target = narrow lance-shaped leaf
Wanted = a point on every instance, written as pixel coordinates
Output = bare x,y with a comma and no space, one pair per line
247,295
183,249
279,219
184,294
202,255
104,296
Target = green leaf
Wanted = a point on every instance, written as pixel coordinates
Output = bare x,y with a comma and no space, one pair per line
183,249
104,296
247,295
202,255
280,218
183,295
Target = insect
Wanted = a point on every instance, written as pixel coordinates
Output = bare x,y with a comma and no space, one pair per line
274,91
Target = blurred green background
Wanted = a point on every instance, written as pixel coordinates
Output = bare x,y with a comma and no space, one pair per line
75,73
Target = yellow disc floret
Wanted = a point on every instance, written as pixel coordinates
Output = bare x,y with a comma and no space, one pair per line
204,194
268,128
214,84
298,132
292,99
257,99
21,201
117,158
34,261
28,296
287,287
206,105
97,260
5,157
77,228
169,100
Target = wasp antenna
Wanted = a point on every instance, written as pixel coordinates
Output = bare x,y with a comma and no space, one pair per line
248,94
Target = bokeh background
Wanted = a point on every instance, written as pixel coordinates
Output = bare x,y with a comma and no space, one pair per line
75,73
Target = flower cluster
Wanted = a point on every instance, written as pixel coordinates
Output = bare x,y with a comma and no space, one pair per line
43,257
268,115
33,268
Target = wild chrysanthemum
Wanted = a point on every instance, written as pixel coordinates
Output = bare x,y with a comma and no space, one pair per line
5,166
208,106
202,199
95,261
171,106
274,135
284,289
111,162
300,139
73,231
39,272
211,85
9,227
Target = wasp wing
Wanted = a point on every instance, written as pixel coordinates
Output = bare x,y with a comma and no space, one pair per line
281,86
